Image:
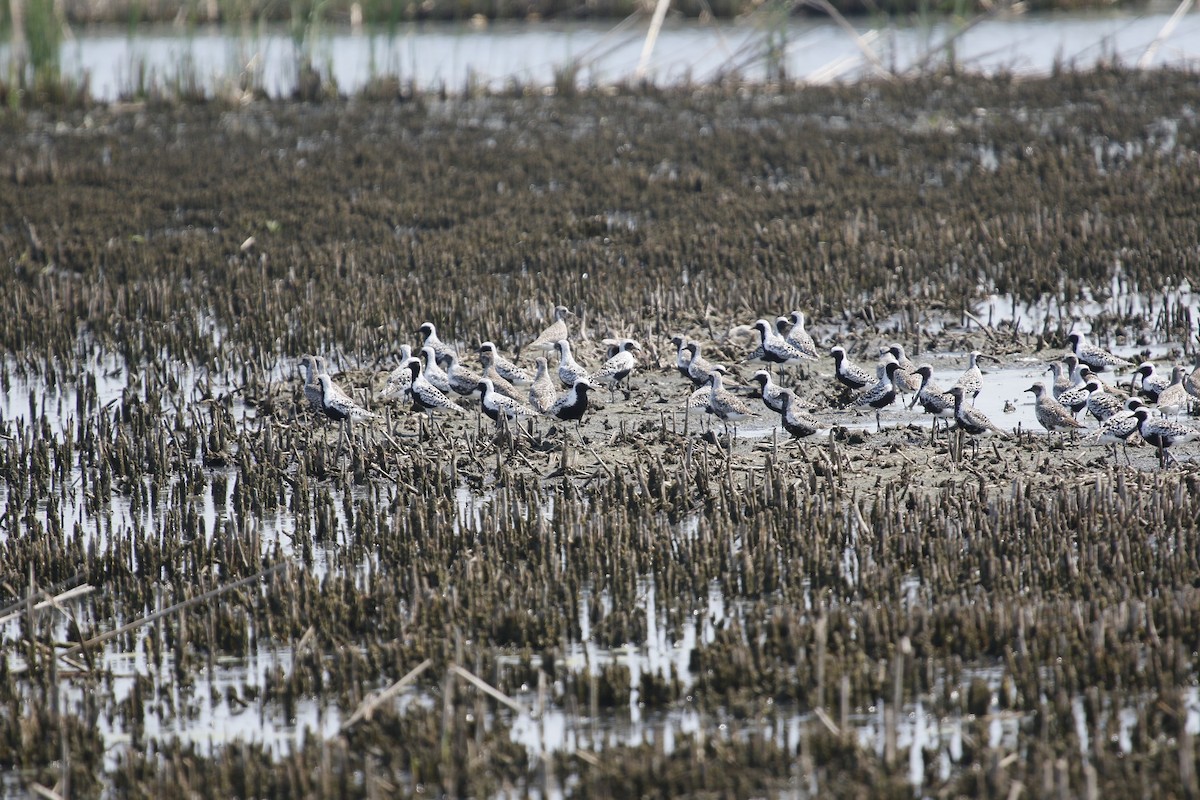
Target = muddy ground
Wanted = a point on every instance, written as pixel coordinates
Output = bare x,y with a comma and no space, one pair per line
860,614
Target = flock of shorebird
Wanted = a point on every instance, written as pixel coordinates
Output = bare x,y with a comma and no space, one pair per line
434,380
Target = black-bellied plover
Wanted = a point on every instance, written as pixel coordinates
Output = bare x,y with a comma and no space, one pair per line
1099,360
683,356
1118,428
429,335
773,348
1101,404
569,370
400,379
797,422
501,384
1163,434
1063,374
724,404
847,372
700,369
971,419
1174,399
555,332
882,394
906,378
798,337
771,392
431,371
463,380
427,397
313,366
542,393
1051,414
1152,381
504,368
618,367
971,380
501,408
573,403
932,398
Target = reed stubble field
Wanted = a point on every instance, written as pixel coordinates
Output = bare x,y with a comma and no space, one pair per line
893,614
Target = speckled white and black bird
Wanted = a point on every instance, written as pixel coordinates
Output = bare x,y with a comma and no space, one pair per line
797,422
463,380
1076,397
431,371
572,404
1191,382
1097,359
425,396
430,338
619,366
683,356
882,394
1163,434
498,407
931,397
1152,381
971,380
1118,428
770,392
555,332
722,403
1174,399
773,348
1101,404
906,378
400,379
1051,414
847,372
542,393
499,382
505,368
313,367
569,370
338,405
971,419
700,369
798,337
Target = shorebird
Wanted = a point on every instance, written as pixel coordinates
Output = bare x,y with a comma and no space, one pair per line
400,379
338,405
882,394
972,420
501,408
775,349
1063,375
1099,360
1191,383
722,403
971,380
313,367
799,338
429,333
542,394
1163,434
425,396
906,378
556,332
1153,381
618,367
772,394
1101,404
1051,414
700,369
1119,427
499,382
683,356
795,421
573,403
569,369
432,372
463,380
505,368
848,373
1173,399
933,398
1076,397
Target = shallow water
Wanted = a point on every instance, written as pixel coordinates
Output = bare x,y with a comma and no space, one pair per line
459,57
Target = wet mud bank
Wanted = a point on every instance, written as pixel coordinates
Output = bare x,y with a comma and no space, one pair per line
202,585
